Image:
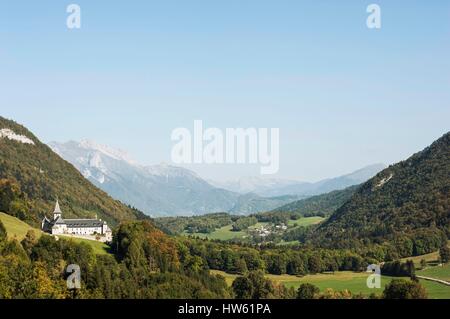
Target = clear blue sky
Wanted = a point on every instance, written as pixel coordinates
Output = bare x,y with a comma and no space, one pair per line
342,95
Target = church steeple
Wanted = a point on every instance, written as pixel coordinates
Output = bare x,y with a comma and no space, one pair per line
57,212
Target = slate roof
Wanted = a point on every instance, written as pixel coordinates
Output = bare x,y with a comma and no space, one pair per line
79,223
59,221
48,224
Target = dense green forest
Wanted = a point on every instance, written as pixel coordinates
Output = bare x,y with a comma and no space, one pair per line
33,176
194,224
146,263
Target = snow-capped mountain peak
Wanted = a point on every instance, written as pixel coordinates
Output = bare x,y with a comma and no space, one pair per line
157,190
114,153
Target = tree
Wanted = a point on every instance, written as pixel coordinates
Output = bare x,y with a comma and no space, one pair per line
243,288
276,264
3,233
315,264
240,266
410,268
262,287
307,291
9,191
44,286
404,289
444,253
253,286
296,266
29,241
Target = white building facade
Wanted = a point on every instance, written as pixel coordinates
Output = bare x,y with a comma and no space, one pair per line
84,228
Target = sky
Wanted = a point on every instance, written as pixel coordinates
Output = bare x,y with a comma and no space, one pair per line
343,96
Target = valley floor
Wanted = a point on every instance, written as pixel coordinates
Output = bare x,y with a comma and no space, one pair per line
354,282
226,233
346,280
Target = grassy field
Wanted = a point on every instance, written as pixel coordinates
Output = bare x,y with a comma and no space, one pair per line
17,229
98,247
305,221
226,233
439,272
354,282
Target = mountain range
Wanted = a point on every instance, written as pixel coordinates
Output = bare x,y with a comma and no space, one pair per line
280,187
166,190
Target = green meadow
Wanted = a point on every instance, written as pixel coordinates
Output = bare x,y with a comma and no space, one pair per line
227,233
224,233
438,272
16,228
305,221
345,280
98,247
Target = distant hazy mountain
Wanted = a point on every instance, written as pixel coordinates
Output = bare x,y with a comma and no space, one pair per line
159,190
272,187
320,205
252,203
256,185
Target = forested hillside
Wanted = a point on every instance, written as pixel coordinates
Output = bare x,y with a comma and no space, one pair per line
407,204
320,205
32,176
145,264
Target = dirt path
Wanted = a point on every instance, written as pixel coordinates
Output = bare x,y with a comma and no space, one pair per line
435,280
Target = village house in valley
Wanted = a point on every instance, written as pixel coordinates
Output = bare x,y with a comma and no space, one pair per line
94,229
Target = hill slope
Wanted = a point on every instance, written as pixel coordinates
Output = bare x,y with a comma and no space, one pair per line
32,176
252,203
410,199
320,205
15,228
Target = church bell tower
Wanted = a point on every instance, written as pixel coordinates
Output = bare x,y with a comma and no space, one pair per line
57,212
